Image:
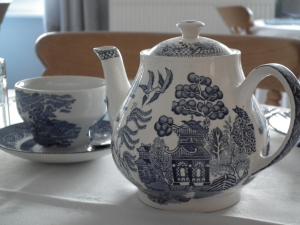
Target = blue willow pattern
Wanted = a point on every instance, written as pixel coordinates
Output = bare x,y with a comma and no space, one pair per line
107,54
205,160
185,49
42,108
138,118
152,93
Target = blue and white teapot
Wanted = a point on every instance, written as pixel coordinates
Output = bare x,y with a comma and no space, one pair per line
189,132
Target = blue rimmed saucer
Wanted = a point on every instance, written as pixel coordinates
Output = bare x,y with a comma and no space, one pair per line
17,140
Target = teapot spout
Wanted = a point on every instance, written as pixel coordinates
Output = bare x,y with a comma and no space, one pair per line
117,83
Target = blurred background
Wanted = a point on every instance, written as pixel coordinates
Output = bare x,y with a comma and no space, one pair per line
26,20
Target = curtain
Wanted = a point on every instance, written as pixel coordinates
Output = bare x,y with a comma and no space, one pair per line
3,9
76,15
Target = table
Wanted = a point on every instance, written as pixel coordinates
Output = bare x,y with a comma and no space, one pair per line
276,29
96,193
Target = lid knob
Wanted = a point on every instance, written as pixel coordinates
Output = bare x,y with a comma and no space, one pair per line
190,44
190,29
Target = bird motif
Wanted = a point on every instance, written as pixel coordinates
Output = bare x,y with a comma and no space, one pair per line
153,93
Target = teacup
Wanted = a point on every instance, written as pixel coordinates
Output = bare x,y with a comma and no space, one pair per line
61,109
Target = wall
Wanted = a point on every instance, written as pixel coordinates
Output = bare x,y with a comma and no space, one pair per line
17,45
162,15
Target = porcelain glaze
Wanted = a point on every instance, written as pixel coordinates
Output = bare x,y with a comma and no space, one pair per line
61,109
189,132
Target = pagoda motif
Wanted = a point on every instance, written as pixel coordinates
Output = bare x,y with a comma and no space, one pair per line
207,159
190,161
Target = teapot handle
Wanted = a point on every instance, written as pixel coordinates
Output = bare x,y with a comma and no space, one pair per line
292,87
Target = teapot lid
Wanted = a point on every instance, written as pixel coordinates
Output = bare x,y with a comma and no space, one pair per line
190,44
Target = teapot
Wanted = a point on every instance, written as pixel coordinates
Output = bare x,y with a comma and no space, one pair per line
189,132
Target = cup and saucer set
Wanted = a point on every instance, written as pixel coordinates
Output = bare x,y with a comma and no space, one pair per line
65,120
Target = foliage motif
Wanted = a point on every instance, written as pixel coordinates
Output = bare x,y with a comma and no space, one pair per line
243,133
199,98
136,120
161,160
125,161
218,142
164,126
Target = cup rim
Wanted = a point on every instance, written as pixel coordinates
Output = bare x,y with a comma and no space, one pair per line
20,85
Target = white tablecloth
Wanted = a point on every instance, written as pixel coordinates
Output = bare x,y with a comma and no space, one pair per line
96,193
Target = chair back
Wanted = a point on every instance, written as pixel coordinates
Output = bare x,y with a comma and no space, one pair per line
257,50
238,18
72,53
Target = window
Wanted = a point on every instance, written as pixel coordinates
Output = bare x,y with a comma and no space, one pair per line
198,172
288,8
182,172
26,8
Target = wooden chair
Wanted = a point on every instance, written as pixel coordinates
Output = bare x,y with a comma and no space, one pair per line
72,54
239,19
3,9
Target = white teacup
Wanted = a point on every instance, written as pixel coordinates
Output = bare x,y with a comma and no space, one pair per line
61,109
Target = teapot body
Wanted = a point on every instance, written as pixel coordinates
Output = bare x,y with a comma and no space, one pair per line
187,133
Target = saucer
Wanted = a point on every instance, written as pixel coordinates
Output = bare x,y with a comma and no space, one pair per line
17,140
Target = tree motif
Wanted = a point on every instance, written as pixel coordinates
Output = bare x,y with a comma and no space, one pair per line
161,160
243,131
218,142
200,98
164,126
